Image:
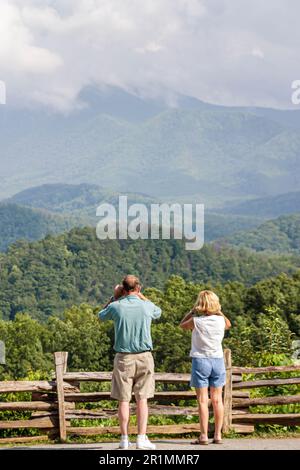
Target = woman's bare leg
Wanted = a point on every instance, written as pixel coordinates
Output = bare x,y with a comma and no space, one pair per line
218,407
202,397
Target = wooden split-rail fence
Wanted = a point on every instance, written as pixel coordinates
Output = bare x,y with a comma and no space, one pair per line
54,404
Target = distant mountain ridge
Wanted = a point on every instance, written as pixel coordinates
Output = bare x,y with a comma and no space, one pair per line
50,209
78,204
279,235
74,199
25,223
267,207
197,150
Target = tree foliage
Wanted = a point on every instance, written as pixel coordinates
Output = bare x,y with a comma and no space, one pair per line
46,277
262,325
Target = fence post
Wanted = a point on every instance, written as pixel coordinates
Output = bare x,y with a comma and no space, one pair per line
227,424
60,368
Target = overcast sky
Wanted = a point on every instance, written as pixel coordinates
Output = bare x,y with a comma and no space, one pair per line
233,52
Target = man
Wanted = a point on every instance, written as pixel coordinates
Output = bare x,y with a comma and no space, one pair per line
132,314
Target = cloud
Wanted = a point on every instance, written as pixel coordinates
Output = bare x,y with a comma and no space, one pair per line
237,52
18,51
150,47
256,52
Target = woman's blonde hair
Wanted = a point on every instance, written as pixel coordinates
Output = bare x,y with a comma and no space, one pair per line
207,302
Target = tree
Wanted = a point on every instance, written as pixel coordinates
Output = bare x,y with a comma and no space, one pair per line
84,337
24,347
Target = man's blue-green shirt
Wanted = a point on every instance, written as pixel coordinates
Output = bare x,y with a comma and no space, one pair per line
132,319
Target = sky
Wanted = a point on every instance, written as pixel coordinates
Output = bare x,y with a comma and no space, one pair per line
228,52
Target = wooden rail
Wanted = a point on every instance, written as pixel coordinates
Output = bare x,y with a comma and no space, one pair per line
54,404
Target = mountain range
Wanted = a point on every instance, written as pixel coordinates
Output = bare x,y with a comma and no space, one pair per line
188,151
50,209
265,207
280,235
53,208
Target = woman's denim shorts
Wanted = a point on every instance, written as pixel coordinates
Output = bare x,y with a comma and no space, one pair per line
208,372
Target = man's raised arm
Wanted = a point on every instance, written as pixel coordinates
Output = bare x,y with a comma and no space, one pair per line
106,312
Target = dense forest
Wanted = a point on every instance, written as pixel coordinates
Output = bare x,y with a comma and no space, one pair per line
265,320
281,235
18,222
52,291
45,277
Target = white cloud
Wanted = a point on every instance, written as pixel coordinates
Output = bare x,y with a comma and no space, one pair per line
51,49
150,47
18,51
256,52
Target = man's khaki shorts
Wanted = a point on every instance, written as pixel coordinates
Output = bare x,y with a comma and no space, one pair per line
133,373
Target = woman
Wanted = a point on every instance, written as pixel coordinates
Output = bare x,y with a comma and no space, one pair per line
208,368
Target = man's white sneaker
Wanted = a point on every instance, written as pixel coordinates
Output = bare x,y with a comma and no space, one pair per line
125,444
145,444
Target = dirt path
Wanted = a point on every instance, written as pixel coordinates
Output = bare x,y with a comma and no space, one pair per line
229,444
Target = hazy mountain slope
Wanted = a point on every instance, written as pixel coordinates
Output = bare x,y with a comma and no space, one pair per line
82,201
17,222
133,108
268,207
74,199
198,150
217,225
289,118
281,235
